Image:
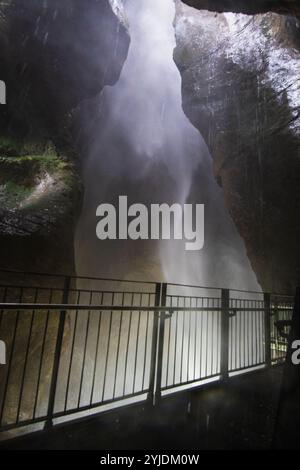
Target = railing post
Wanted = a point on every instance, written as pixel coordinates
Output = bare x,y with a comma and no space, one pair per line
267,307
224,333
57,354
154,345
160,344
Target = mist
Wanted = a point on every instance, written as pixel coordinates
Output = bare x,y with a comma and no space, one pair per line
141,144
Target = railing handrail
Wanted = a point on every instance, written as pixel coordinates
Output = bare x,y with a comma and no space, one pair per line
191,286
74,290
133,281
36,306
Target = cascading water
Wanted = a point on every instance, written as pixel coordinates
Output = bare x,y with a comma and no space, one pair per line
143,146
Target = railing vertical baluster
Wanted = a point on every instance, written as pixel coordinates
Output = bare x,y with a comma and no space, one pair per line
57,354
161,343
26,358
127,346
224,333
267,307
154,346
10,360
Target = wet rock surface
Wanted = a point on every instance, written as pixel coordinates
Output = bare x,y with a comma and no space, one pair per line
241,90
53,56
250,7
39,197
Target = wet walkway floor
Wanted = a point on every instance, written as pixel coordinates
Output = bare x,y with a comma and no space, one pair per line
237,415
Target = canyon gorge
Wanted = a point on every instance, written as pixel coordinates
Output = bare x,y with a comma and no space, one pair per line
240,80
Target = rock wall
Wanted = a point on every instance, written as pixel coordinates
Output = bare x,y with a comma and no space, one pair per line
241,90
248,7
53,56
240,82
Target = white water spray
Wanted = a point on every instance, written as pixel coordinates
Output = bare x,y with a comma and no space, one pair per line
145,147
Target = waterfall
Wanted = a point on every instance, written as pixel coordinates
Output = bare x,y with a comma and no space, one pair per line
142,145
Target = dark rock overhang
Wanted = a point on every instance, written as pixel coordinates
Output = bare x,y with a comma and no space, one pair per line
289,7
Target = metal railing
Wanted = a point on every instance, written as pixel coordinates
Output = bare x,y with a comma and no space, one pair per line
81,345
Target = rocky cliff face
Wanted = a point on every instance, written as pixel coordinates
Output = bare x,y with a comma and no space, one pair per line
248,7
241,90
53,56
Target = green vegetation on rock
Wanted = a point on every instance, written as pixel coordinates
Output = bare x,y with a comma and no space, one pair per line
30,179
